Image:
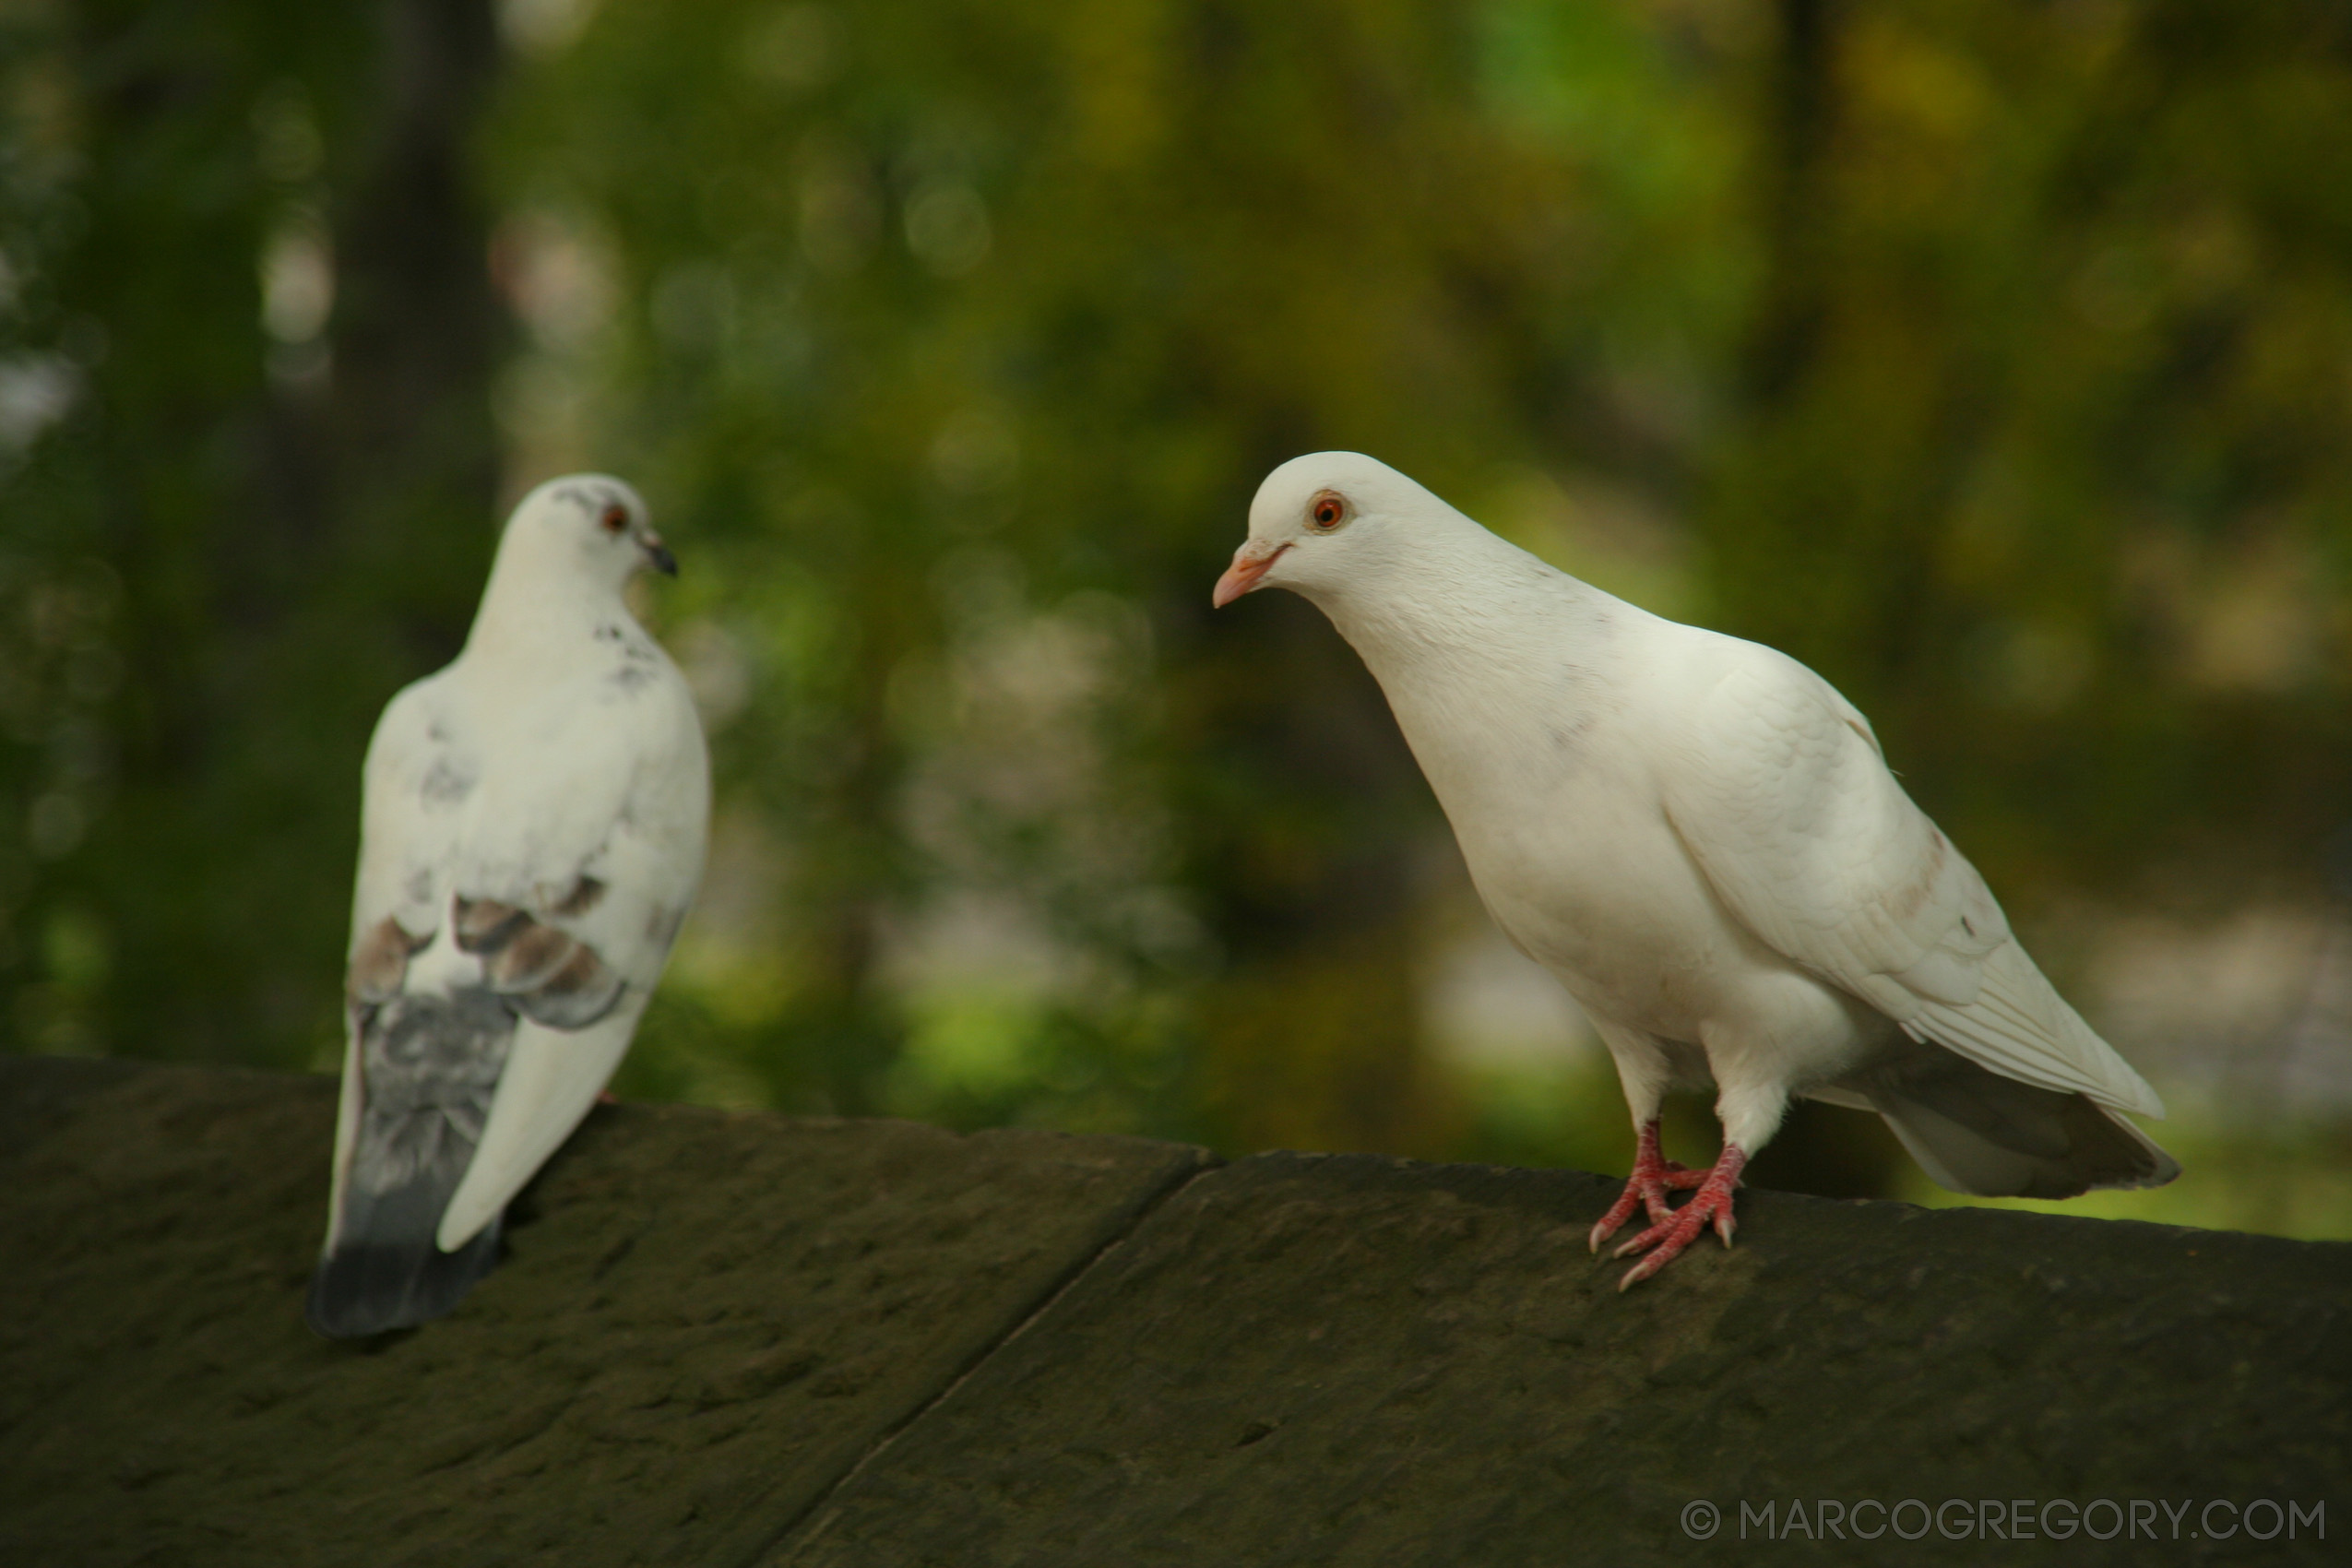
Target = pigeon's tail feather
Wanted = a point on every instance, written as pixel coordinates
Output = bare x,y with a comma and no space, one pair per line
430,1070
1976,1132
364,1287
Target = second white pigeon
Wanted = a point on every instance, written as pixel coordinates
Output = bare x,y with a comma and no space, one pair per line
1701,838
531,837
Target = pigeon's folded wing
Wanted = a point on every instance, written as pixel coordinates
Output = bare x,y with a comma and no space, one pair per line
1777,787
416,776
419,771
572,883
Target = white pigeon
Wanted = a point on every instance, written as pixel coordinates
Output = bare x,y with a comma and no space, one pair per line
1700,837
531,836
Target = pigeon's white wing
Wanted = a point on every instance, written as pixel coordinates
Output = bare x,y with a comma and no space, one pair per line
1776,784
415,775
575,869
420,768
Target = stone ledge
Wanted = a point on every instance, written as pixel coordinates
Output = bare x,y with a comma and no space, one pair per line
736,1339
703,1322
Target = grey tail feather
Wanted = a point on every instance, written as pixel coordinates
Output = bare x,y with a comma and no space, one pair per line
431,1066
1976,1132
364,1287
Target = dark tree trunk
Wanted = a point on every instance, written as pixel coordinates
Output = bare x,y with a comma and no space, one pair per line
419,327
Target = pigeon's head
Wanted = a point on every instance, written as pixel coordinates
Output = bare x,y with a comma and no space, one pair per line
1323,521
594,523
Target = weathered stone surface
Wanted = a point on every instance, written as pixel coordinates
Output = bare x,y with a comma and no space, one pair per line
711,1326
703,1322
1307,1360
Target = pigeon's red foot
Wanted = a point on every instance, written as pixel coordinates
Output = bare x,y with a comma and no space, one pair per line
1653,1176
1670,1232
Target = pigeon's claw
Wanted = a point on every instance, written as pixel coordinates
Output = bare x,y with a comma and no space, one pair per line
1665,1241
1646,1190
1619,1213
1653,1177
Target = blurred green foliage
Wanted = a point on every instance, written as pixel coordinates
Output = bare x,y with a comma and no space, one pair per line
214,568
1996,359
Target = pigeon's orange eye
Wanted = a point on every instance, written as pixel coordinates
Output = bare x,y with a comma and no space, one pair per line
615,518
1328,511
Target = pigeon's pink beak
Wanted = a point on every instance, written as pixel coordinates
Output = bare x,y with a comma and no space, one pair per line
1252,561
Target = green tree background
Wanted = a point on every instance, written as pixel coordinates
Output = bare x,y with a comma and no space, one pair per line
1995,359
